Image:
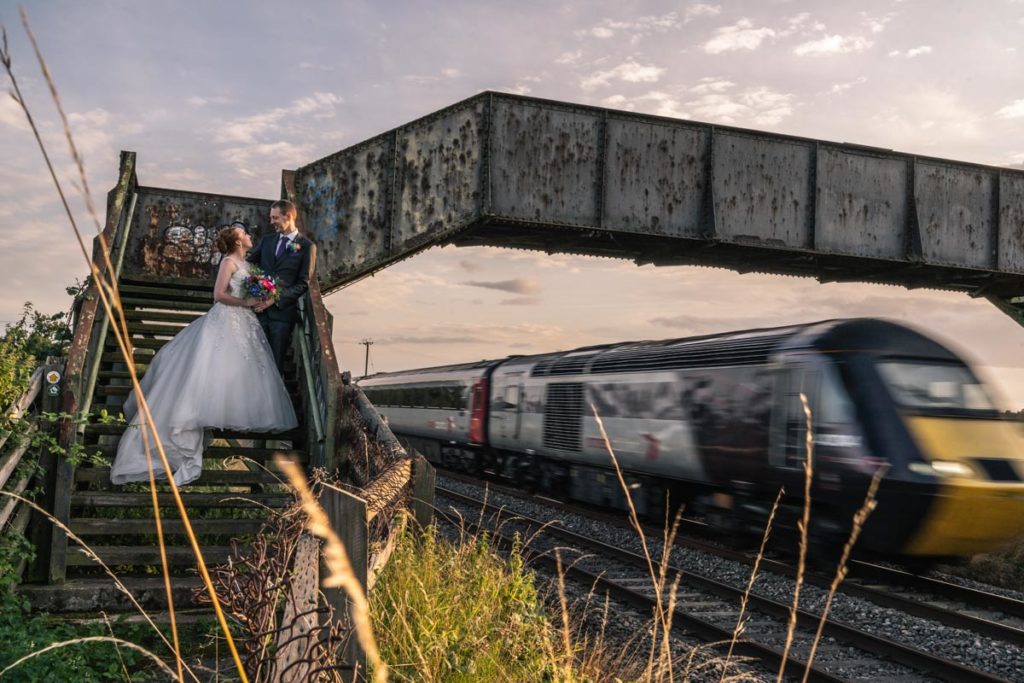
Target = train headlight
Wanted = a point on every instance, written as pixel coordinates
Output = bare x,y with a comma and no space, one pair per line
943,468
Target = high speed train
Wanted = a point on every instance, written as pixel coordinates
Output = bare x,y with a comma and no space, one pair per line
718,422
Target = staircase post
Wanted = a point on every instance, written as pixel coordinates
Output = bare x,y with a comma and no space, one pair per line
423,482
51,543
347,514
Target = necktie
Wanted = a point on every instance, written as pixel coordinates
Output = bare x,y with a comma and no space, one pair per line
281,241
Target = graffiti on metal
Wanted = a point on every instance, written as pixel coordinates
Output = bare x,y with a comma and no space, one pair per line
175,232
518,172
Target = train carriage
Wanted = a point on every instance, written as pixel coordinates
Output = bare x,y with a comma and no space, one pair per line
720,422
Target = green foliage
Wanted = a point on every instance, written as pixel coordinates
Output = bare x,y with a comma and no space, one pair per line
27,343
23,633
447,613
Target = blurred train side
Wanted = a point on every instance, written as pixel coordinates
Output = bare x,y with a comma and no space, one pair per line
718,421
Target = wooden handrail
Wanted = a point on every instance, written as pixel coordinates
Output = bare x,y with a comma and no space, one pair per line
83,340
308,371
10,461
125,224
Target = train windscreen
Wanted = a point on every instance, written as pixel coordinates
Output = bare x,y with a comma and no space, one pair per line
925,384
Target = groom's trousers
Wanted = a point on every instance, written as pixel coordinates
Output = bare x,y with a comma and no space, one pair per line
279,334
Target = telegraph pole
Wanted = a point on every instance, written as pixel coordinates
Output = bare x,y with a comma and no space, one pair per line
366,366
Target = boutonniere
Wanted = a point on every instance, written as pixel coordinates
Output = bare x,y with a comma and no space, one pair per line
293,247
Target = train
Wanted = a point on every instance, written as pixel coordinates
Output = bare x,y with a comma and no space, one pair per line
720,423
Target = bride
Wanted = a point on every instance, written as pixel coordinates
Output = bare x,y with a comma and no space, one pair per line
218,372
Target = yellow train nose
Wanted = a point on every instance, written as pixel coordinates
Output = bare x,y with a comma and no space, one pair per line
979,469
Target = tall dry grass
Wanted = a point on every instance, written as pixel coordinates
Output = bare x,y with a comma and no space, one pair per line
107,288
804,528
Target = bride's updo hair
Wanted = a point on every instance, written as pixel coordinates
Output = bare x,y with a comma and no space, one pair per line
228,238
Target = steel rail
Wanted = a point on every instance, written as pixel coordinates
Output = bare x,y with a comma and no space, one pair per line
971,597
714,635
903,654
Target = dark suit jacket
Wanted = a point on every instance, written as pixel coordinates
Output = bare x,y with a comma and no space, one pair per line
293,269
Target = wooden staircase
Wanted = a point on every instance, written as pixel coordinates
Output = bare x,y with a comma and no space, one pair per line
238,489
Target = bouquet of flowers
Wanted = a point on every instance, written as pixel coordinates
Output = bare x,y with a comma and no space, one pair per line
259,285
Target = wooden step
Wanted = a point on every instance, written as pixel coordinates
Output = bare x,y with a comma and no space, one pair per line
154,330
161,316
292,386
257,454
191,500
165,294
141,357
165,304
292,435
138,343
93,595
107,375
115,555
106,526
214,452
101,476
167,282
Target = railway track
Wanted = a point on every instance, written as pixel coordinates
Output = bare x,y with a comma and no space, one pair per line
951,604
954,606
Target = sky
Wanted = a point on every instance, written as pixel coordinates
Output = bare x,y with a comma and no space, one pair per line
219,97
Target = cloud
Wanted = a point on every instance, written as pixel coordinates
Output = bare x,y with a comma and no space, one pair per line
876,24
246,129
654,102
515,286
760,105
249,160
710,85
1014,110
569,57
740,36
630,72
839,88
11,113
832,45
925,118
607,28
197,101
912,52
470,266
700,10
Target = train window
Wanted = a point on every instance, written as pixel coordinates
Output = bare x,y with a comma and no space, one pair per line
834,405
511,398
920,384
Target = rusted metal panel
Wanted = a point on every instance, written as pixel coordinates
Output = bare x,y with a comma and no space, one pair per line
544,164
954,208
655,178
762,190
513,171
174,232
1011,223
439,179
344,201
862,208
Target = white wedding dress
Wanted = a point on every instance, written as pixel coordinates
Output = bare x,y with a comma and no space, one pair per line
218,372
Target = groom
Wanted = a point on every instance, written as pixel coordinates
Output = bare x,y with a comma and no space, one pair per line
287,256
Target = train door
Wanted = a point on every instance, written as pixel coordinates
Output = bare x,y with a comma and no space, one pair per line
506,408
789,421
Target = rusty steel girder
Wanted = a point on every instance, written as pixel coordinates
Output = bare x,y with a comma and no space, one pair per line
512,171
